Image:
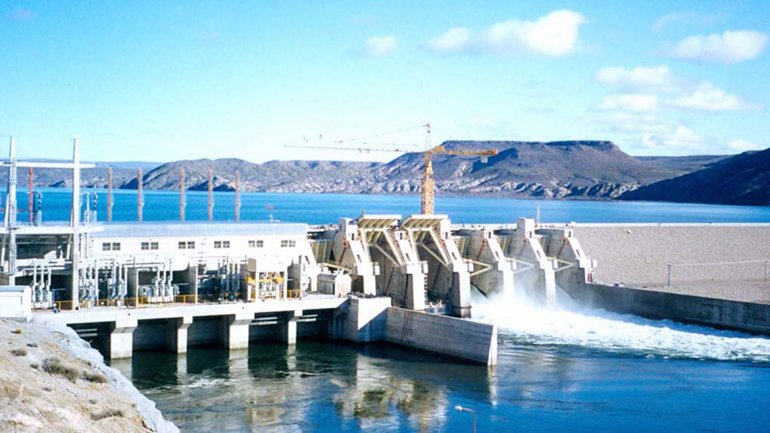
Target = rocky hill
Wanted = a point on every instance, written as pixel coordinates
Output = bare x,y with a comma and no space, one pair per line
52,381
742,179
565,169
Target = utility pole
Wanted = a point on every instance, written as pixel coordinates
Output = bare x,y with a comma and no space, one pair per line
211,195
109,194
139,197
182,202
237,197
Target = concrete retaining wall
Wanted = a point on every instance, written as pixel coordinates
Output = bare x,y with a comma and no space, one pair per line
720,313
464,339
361,320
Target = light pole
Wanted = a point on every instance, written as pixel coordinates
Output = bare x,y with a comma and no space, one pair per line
471,411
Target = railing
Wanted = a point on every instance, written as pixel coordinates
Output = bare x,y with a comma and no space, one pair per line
139,301
186,299
760,271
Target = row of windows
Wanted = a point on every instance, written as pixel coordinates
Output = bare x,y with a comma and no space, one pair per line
111,246
149,245
221,244
190,245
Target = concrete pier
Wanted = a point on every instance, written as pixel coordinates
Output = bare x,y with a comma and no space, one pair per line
122,338
237,330
290,327
177,333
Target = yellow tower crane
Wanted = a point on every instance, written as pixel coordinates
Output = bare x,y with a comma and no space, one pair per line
427,197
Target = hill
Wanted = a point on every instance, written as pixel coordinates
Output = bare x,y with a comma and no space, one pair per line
597,169
742,179
561,169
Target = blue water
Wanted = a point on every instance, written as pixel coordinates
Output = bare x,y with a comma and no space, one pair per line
563,370
328,208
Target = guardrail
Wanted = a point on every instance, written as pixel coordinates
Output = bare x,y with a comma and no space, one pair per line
762,264
140,301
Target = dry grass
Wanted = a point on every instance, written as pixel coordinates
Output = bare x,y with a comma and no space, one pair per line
107,413
54,365
94,376
19,352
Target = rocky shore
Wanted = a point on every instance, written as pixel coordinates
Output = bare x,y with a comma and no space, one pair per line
52,381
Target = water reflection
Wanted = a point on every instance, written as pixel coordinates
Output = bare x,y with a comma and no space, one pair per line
313,386
379,399
548,388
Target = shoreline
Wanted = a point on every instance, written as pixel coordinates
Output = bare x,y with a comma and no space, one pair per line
54,381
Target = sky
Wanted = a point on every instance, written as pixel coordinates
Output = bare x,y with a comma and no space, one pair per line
167,80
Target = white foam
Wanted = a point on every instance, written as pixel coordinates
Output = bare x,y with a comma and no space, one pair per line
526,323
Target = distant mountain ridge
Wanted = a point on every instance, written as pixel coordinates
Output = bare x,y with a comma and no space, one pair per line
590,169
742,179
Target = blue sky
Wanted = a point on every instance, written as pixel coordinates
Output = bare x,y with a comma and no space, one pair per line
164,80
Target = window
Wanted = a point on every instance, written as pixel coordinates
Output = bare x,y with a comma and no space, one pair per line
116,246
225,244
145,245
288,243
190,245
260,243
106,246
182,245
256,243
153,245
252,244
217,244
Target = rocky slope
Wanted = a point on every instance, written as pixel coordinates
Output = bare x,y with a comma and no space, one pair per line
596,169
50,381
743,179
567,169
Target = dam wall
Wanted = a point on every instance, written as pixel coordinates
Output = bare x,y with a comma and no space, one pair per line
371,320
718,313
459,338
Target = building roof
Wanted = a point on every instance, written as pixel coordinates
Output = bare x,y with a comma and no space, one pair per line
147,230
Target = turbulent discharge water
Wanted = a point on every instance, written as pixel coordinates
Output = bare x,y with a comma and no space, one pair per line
521,321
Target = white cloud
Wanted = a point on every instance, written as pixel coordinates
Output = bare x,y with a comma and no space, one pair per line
711,98
553,35
634,123
630,102
692,17
649,78
671,18
732,46
665,89
454,40
743,145
379,46
679,138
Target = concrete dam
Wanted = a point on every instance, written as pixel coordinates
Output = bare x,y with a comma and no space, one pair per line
407,280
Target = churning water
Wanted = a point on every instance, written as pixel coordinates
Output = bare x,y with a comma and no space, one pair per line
524,322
